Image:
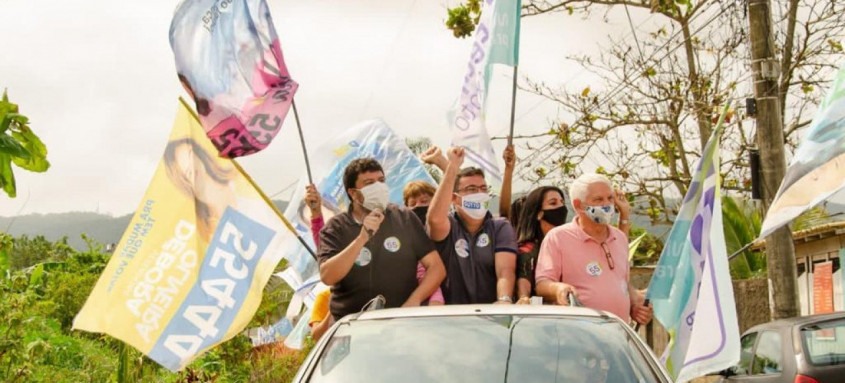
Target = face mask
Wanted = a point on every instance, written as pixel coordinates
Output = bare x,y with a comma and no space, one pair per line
376,196
421,211
555,217
600,214
475,205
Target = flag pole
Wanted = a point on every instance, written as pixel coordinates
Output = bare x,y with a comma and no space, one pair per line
258,189
302,141
513,104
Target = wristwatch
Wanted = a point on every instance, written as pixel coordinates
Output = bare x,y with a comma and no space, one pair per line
505,298
624,221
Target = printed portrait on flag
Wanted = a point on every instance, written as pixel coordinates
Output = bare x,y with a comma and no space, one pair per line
229,60
190,269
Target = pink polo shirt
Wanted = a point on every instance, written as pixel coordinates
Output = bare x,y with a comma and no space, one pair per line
570,255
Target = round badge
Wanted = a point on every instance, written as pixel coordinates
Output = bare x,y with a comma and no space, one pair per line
364,257
483,240
462,248
594,269
392,244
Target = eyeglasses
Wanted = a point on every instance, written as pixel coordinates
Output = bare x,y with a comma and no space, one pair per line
608,256
472,189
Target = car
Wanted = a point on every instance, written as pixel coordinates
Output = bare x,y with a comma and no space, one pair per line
481,343
809,349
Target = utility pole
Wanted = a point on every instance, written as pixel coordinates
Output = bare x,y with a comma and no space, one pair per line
780,251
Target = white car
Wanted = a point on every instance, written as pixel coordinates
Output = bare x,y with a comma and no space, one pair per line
482,343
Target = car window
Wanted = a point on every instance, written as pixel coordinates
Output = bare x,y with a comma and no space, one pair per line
824,343
483,349
746,354
768,357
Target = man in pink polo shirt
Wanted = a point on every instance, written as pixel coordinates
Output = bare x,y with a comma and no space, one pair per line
588,257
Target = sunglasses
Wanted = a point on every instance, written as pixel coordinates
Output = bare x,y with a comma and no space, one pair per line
608,256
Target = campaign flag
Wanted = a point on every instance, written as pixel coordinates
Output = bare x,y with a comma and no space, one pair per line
229,60
818,169
371,138
467,119
504,48
189,271
691,289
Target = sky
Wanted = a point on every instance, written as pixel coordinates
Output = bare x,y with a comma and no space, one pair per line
98,82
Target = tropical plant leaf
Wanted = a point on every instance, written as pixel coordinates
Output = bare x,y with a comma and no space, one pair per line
11,146
632,247
37,275
37,161
7,178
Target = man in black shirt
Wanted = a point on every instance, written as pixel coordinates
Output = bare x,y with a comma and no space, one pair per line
373,248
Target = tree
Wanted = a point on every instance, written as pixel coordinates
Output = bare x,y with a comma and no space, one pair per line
18,145
647,118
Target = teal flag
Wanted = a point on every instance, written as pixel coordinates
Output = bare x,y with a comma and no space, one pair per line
691,289
504,48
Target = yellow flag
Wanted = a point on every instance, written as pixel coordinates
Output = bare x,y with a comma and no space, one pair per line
190,268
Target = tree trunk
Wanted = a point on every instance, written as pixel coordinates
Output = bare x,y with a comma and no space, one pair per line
780,250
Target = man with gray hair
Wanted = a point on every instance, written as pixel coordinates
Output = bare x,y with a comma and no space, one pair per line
588,257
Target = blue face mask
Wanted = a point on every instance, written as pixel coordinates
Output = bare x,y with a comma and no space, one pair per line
601,215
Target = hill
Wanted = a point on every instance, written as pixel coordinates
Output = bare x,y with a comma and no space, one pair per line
99,227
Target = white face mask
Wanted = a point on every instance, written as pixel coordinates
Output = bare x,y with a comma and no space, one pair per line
376,196
601,215
475,205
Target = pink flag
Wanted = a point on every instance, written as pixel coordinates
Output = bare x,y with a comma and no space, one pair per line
229,59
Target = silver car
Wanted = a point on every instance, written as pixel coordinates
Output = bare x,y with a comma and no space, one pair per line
481,343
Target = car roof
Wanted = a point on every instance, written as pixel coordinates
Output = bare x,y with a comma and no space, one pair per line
474,310
796,321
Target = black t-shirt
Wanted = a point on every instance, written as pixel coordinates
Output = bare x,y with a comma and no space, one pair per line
387,264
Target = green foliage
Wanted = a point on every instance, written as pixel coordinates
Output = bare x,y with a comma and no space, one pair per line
648,249
49,285
811,218
18,145
5,247
742,221
463,18
26,252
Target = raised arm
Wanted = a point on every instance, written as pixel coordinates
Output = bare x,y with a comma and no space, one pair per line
433,156
624,208
507,181
437,219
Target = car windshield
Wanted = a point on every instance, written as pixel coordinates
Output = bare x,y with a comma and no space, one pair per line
490,348
824,343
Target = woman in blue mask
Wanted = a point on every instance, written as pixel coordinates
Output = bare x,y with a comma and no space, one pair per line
542,210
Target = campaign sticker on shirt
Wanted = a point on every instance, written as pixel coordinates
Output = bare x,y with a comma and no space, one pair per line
483,240
364,257
462,248
392,244
594,269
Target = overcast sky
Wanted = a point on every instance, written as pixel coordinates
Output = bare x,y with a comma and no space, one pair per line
98,82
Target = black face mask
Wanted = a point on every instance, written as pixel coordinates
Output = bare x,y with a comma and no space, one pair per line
556,217
421,211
